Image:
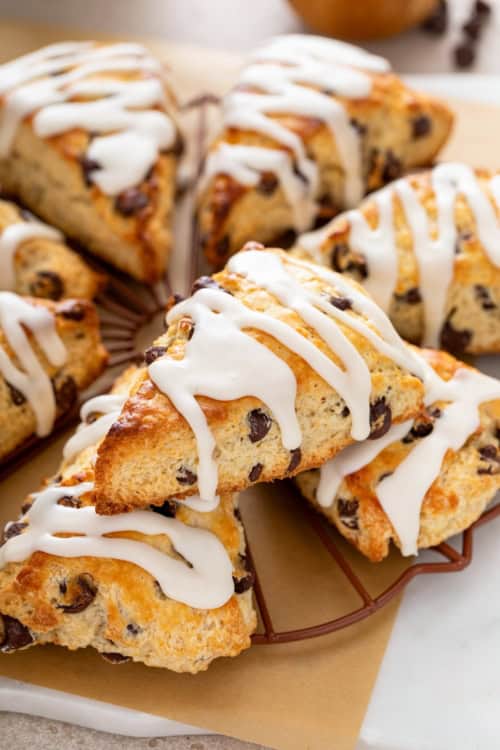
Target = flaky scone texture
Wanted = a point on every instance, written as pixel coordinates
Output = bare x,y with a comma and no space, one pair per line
77,325
47,268
471,322
467,482
117,607
399,128
52,177
150,453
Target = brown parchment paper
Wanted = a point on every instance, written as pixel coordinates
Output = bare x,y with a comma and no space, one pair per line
294,696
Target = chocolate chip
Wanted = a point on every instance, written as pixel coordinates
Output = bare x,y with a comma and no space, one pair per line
489,453
464,54
482,8
393,167
422,429
295,459
342,303
286,239
453,340
222,247
348,513
114,658
206,282
489,470
185,476
421,126
173,300
153,353
25,507
255,472
72,311
484,298
411,296
359,126
65,392
473,27
15,634
13,529
48,285
268,183
131,201
380,418
69,501
345,412
133,629
237,514
87,591
17,398
88,166
437,22
259,423
168,509
343,261
243,584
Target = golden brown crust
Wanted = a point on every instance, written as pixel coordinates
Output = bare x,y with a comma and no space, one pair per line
231,214
467,482
150,450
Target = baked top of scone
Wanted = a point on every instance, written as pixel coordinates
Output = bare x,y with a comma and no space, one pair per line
425,479
35,261
271,366
427,248
311,125
93,124
167,587
48,353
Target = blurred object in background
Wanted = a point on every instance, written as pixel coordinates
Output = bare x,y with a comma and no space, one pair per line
363,19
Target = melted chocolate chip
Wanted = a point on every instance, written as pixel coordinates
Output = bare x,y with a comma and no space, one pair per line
17,398
472,28
13,529
437,22
48,285
255,472
380,418
63,588
421,126
133,629
88,166
286,239
268,183
489,453
345,412
72,311
393,167
453,340
483,297
115,658
65,392
295,459
87,591
482,8
464,54
343,261
15,634
421,429
342,303
207,282
222,247
243,584
168,509
259,423
348,513
25,507
410,297
131,201
185,476
153,353
70,502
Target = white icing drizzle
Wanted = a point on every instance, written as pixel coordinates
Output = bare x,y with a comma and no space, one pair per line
11,238
67,86
109,407
202,580
435,256
402,493
30,377
223,362
282,74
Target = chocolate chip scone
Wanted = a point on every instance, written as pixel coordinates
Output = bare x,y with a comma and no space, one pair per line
310,127
48,353
167,587
427,248
270,367
35,261
427,478
88,142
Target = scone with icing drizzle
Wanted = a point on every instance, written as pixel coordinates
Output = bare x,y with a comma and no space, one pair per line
48,353
311,126
270,367
425,479
35,261
167,587
427,249
88,142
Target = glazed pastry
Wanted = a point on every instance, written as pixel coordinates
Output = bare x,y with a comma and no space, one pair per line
35,261
88,142
271,367
310,127
48,353
427,249
425,479
169,588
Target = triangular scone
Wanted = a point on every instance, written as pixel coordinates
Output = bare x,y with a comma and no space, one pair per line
424,480
311,126
168,588
272,366
48,353
88,142
427,248
34,259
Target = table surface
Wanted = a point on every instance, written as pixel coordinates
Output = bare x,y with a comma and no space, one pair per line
235,25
